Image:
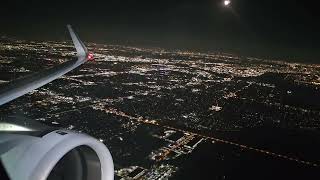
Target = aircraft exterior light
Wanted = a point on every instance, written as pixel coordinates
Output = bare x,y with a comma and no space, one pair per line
90,56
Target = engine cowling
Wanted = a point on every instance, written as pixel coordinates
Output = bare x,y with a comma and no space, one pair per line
55,155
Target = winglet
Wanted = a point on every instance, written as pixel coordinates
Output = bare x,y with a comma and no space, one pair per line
26,84
80,47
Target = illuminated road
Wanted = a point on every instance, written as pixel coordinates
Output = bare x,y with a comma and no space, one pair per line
155,123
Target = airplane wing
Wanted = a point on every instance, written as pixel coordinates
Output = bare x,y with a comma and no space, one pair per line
24,85
32,151
80,47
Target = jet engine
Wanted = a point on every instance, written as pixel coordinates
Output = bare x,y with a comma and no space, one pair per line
33,153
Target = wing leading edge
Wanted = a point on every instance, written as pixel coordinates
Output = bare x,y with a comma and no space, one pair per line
29,83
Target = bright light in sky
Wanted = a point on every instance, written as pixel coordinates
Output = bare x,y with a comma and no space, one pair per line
227,2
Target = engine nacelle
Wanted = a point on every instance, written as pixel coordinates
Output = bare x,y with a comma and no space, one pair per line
55,155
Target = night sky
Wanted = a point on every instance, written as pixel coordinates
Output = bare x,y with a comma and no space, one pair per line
262,28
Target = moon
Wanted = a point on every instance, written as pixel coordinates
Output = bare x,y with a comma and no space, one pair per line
227,2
